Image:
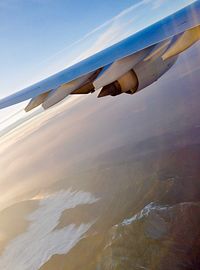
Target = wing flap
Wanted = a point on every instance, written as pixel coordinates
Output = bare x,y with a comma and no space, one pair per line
35,102
173,25
186,40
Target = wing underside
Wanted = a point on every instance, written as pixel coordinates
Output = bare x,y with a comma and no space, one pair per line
126,67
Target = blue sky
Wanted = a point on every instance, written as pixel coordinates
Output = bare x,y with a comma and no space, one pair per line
41,37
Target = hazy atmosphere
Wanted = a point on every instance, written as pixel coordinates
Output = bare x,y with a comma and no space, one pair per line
109,183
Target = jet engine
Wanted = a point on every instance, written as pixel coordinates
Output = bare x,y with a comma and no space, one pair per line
140,76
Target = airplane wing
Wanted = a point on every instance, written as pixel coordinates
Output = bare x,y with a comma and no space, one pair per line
125,67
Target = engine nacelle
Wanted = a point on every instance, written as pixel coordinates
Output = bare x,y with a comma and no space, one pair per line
142,75
149,72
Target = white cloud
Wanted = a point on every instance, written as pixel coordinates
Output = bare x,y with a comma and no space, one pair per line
41,238
157,3
111,31
107,26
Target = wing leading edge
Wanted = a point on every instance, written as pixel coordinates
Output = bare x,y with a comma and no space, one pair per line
156,45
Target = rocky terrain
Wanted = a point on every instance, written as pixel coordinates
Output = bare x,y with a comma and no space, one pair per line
149,213
157,237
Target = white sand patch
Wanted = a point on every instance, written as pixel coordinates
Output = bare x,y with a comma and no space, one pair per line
30,250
